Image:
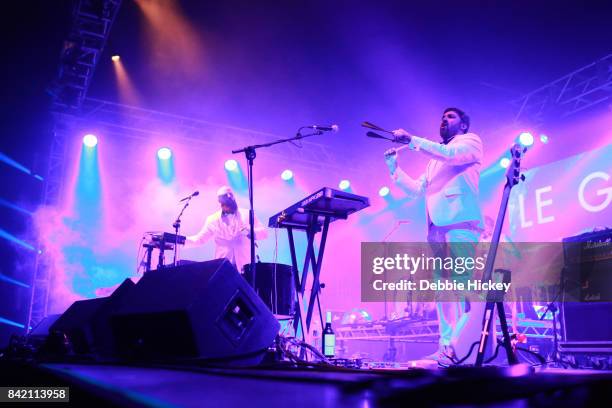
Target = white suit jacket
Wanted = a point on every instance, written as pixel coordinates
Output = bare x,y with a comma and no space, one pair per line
450,181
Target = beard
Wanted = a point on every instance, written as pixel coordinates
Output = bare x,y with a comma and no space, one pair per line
447,134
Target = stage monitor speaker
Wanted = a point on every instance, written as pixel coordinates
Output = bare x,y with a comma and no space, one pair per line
203,311
86,323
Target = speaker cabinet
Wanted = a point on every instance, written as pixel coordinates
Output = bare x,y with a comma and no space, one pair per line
204,310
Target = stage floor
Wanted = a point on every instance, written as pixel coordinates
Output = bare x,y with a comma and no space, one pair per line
290,387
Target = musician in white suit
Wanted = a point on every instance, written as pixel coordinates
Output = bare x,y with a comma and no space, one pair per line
450,187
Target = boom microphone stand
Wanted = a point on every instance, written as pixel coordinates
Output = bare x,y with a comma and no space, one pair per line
177,225
392,350
250,154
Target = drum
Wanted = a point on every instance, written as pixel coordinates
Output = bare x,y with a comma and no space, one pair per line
275,286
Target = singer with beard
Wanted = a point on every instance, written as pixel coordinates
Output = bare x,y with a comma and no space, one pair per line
229,227
450,187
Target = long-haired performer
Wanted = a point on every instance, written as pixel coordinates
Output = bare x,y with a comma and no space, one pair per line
229,227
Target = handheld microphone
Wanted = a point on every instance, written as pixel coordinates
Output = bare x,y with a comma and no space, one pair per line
189,197
332,128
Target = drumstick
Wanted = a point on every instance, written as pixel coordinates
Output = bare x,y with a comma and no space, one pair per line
375,127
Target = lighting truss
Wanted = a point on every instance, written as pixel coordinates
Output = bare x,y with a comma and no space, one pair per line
580,90
52,193
425,330
91,24
138,123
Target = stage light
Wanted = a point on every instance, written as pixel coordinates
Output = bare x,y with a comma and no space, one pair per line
505,162
544,139
11,323
287,175
164,153
526,139
231,165
115,58
344,185
384,191
90,140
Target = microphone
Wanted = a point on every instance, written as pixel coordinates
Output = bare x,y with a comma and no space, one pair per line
189,197
332,128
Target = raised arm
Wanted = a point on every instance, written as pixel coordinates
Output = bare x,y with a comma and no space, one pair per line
203,236
412,187
465,149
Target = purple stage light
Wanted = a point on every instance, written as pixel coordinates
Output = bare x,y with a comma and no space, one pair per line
90,140
384,191
544,139
505,162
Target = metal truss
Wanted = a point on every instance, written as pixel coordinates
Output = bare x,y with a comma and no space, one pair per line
52,194
91,24
580,90
139,123
534,329
423,330
427,330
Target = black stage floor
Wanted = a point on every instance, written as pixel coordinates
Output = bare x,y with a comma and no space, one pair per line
291,387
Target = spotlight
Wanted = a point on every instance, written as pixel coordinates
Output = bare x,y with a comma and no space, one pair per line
526,139
90,140
164,153
115,58
544,139
384,191
287,175
231,165
344,185
505,162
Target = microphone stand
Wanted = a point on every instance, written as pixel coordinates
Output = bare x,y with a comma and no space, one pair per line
391,351
552,307
250,154
177,227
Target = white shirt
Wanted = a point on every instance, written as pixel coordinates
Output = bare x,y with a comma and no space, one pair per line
230,232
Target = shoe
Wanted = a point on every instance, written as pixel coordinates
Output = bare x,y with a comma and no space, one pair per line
444,355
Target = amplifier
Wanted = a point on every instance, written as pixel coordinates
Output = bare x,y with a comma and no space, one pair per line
587,287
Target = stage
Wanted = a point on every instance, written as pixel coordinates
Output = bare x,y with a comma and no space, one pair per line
146,386
307,204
